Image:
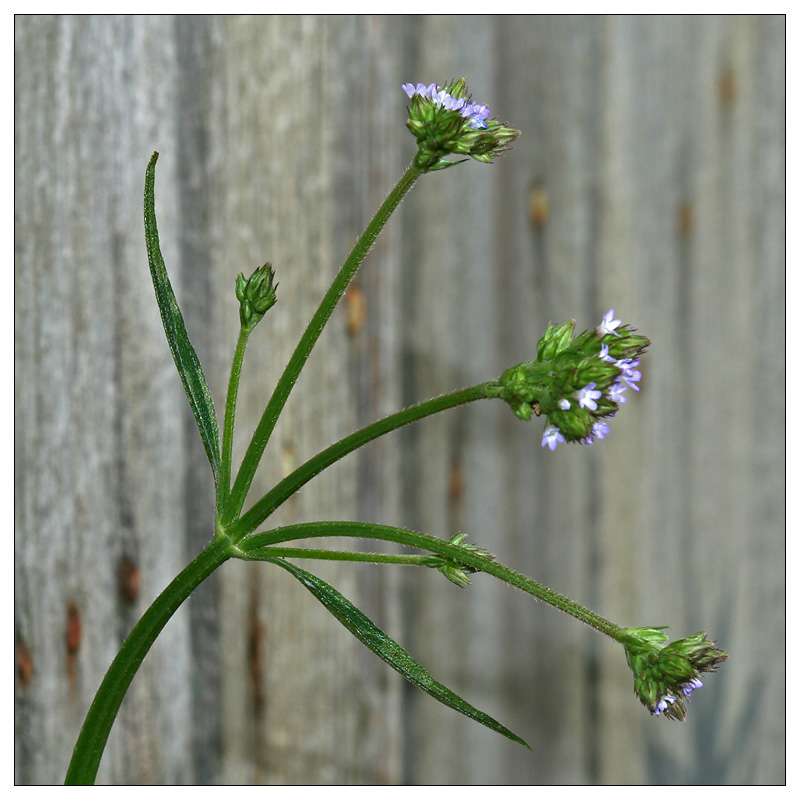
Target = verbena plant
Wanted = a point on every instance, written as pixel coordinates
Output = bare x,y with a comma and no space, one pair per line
576,382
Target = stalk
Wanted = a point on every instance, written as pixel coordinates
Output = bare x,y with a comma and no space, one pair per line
224,488
364,530
304,347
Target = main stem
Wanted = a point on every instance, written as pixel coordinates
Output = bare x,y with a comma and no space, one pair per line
290,484
276,403
103,711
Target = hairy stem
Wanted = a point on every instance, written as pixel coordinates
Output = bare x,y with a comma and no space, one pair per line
290,374
363,530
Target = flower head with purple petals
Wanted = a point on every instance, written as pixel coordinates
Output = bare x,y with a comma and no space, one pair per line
446,122
577,382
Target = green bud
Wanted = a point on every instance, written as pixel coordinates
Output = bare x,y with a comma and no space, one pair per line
555,339
256,295
452,569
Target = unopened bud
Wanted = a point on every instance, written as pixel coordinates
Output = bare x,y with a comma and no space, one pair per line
256,295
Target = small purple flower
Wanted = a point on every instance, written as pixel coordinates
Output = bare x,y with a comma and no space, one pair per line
600,429
421,89
564,404
603,354
663,704
588,396
629,374
688,688
615,393
477,114
453,103
552,436
609,324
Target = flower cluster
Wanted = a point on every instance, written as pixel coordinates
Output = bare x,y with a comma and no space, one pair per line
665,675
475,113
445,121
576,382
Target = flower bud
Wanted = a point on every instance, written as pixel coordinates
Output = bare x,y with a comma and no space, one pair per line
576,382
452,569
445,121
256,295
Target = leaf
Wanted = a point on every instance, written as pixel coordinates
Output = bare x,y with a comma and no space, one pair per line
186,360
390,651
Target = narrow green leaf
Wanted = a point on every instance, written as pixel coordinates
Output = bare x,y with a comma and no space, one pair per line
186,360
390,651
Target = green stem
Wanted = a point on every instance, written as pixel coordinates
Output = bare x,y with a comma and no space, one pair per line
421,541
223,490
271,553
290,484
276,403
103,711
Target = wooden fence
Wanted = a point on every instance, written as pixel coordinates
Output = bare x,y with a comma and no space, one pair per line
649,177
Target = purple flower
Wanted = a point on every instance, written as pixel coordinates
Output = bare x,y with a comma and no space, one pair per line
615,393
600,429
476,113
688,688
603,354
564,404
453,103
629,374
663,704
552,436
421,89
588,396
609,324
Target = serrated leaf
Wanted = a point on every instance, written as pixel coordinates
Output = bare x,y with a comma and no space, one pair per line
186,360
390,651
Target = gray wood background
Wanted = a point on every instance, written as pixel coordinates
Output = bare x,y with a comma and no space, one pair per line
649,178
